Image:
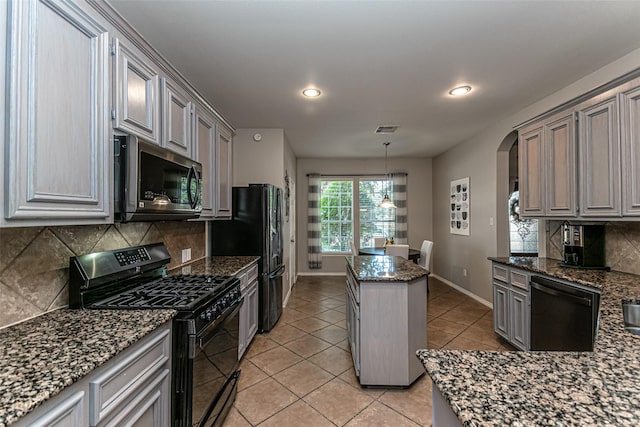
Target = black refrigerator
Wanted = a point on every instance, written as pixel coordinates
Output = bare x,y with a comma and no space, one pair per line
256,229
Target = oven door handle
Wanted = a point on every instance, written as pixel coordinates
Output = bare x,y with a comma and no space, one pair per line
203,338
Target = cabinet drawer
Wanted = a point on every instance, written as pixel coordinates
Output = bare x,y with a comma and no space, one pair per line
252,274
501,273
519,279
120,383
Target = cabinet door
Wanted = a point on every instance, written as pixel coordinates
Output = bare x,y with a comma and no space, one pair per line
353,331
67,411
224,153
531,171
599,159
136,94
630,122
501,309
205,137
252,313
560,172
519,318
176,116
57,146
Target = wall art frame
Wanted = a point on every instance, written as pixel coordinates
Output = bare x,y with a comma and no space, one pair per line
460,207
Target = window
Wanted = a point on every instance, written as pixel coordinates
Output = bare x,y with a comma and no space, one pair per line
523,232
375,221
339,198
336,215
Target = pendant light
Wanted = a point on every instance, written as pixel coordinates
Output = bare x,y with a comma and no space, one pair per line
386,201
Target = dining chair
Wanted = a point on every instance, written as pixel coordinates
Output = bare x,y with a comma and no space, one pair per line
425,257
378,242
398,250
354,250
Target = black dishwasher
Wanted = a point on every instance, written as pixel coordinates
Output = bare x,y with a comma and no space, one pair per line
563,317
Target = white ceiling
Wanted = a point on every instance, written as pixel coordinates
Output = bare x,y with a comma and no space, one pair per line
381,63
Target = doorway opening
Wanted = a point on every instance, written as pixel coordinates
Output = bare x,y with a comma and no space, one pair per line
517,236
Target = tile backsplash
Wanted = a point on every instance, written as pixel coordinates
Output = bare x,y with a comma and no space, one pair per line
622,245
34,261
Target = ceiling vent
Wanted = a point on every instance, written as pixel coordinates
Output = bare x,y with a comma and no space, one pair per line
386,129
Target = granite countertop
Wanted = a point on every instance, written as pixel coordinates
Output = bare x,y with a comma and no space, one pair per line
550,388
368,268
43,355
217,265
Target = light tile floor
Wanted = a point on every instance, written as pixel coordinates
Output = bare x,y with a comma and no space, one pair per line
301,373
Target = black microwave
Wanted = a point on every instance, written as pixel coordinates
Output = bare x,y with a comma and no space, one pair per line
153,183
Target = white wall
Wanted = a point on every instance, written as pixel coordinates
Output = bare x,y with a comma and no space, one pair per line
476,158
418,200
258,162
267,161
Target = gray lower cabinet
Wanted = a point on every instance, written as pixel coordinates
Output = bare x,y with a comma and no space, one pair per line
387,323
132,389
57,149
511,305
249,308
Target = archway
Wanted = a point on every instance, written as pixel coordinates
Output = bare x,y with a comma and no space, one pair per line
504,187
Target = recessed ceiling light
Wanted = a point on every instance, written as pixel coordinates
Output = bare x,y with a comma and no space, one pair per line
311,92
460,90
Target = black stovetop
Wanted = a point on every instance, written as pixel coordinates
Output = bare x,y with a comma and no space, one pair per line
179,292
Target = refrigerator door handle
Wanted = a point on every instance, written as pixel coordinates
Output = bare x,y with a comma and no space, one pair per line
277,273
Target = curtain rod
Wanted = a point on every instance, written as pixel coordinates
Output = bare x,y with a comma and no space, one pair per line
350,175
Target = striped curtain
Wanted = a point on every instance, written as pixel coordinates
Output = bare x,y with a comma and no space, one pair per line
400,200
314,247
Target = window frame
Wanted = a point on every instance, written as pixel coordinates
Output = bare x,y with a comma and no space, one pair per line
355,180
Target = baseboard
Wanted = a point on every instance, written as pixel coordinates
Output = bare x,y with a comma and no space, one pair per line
322,274
464,291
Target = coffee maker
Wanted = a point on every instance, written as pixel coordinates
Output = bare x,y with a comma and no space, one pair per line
583,246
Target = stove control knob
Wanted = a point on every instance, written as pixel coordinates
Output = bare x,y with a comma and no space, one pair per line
208,315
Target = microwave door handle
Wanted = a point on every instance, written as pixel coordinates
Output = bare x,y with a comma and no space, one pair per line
193,198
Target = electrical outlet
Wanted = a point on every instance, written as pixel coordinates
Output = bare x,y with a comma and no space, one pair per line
464,272
186,255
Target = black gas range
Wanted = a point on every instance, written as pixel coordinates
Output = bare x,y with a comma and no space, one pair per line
205,331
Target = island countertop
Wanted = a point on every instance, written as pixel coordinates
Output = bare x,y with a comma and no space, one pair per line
41,356
369,268
549,388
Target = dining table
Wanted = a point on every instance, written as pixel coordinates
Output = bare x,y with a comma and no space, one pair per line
414,254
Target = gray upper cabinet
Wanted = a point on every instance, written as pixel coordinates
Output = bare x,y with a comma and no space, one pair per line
205,138
630,120
57,149
560,149
584,162
176,116
599,158
531,170
547,157
136,97
224,170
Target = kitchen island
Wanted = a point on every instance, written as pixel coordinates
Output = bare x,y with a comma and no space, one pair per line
546,388
386,319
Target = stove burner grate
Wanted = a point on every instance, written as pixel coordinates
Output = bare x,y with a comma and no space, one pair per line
181,292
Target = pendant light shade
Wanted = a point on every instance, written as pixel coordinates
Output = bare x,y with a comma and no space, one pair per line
386,201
